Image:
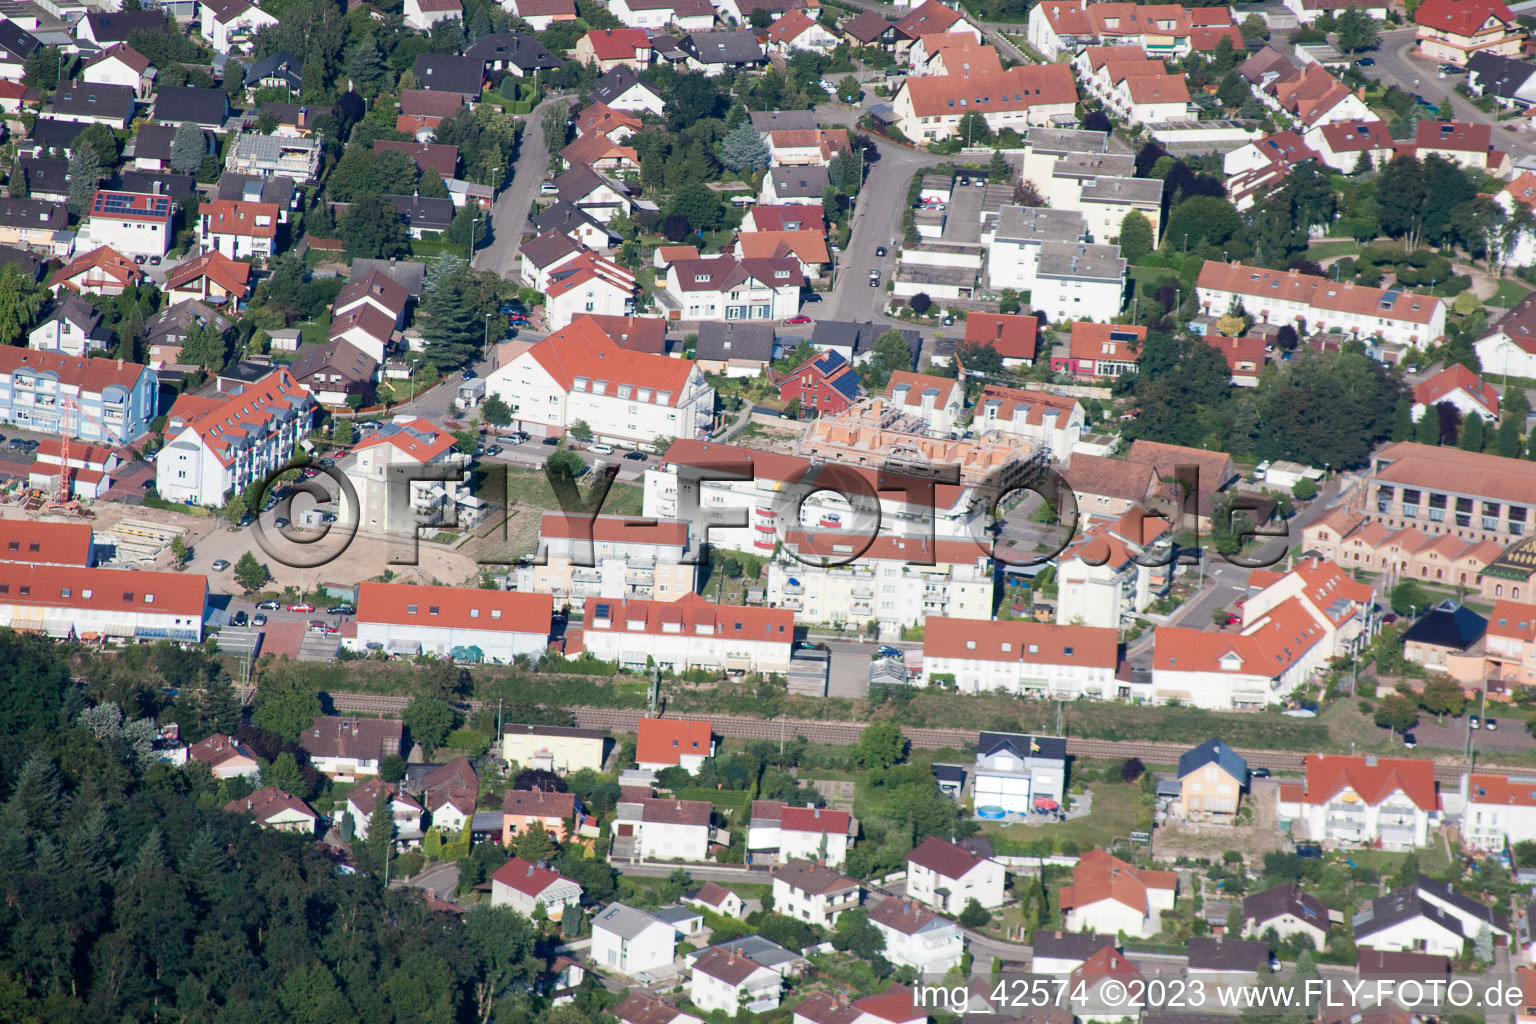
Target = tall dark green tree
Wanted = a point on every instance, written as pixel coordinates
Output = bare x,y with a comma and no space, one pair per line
372,229
1471,439
453,319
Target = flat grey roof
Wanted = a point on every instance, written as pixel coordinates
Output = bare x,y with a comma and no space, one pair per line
964,277
1124,190
1039,224
1089,165
1066,140
1081,262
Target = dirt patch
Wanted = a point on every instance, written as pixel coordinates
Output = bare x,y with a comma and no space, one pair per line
1253,840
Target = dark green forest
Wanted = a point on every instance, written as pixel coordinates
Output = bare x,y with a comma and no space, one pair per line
127,895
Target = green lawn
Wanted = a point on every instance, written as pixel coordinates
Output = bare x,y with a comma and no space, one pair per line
530,487
1332,247
1509,293
1117,811
1157,275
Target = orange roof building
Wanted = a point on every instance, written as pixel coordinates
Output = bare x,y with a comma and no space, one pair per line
215,443
674,742
103,270
1022,657
1386,802
1107,896
685,633
479,625
1501,810
92,604
1012,336
38,542
929,108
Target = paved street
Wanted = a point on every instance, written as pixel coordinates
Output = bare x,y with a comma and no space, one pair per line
510,212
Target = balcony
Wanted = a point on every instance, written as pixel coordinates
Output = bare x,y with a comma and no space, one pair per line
794,588
863,592
586,576
794,604
862,607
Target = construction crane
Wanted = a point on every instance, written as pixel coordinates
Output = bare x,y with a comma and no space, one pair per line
69,413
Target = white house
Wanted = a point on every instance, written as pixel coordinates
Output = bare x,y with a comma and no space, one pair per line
732,982
121,65
423,14
947,877
628,397
1511,346
1498,811
226,757
916,937
795,31
69,325
682,15
524,886
661,829
73,601
726,288
936,401
1472,917
349,748
1018,774
448,622
631,941
686,633
237,228
1111,570
364,799
1368,800
639,1007
809,892
1109,896
1053,422
229,25
271,808
225,443
134,223
663,743
1058,952
776,830
1059,662
1460,387
587,283
404,475
614,557
1289,911
1404,922
1079,281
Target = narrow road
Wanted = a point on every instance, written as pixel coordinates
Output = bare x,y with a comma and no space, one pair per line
509,215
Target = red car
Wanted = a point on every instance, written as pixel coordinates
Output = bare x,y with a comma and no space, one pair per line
304,606
1233,620
801,319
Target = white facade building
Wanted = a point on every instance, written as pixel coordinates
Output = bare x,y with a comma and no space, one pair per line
524,886
406,618
1056,662
396,494
916,937
809,892
658,829
1498,811
631,941
947,877
686,633
1370,800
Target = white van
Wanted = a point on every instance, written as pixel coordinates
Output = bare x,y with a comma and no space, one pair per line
600,449
647,447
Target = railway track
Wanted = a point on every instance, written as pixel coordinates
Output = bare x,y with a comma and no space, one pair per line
846,734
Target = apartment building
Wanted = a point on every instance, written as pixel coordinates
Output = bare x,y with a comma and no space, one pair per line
685,633
1452,31
1113,569
727,288
1498,810
1047,422
896,581
448,622
222,444
1467,495
929,108
1014,242
135,223
405,476
1079,281
90,398
1318,304
1389,802
935,401
612,557
1026,658
239,229
626,397
1161,30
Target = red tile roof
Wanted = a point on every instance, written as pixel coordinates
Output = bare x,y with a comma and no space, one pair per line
582,350
968,639
1483,788
135,60
88,373
931,17
366,317
1452,378
790,26
1120,343
103,258
233,276
1018,88
895,1004
636,333
1372,778
665,740
410,604
916,384
430,102
784,218
615,529
218,749
1454,136
45,543
268,802
1011,336
103,590
239,217
537,803
815,819
618,43
944,858
425,155
1357,136
1461,17
1100,876
223,424
902,916
1263,284
528,879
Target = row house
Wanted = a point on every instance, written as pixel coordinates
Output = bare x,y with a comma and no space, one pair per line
1343,607
89,398
1498,811
950,53
1034,658
1162,30
215,446
1312,303
81,603
898,582
929,108
1354,539
612,557
1260,666
928,19
779,832
1344,145
937,402
588,285
629,397
1386,802
38,542
684,634
720,479
449,623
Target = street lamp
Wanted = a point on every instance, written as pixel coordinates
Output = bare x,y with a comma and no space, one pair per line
487,352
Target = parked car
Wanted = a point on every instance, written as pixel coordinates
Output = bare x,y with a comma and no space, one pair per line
548,189
302,606
887,651
220,564
240,619
1475,722
1410,740
1258,773
341,609
965,180
874,280
469,373
280,522
259,620
1366,62
268,606
880,251
601,449
494,450
800,318
635,456
1490,724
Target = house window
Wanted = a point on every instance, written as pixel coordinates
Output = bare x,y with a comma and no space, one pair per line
410,609
431,609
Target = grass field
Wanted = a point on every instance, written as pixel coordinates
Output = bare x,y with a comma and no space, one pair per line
530,487
1157,275
1509,293
1117,811
1332,247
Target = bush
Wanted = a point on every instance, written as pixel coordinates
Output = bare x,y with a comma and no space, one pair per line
407,864
468,740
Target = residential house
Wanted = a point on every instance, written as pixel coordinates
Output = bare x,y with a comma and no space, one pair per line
1212,778
210,277
425,155
89,470
731,983
929,108
673,743
1348,145
1459,387
557,814
69,325
870,29
1452,31
280,70
824,385
936,401
1388,802
1047,422
630,941
1110,896
365,327
45,179
85,103
807,247
685,633
1229,963
1095,987
167,329
947,877
1018,657
1464,144
779,831
726,288
130,222
1016,239
716,53
789,217
1403,921
808,892
555,748
121,65
794,185
1074,280
622,90
1499,811
424,216
916,937
525,887
1011,336
540,255
1057,952
35,224
16,45
541,14
600,153
661,829
179,104
102,270
404,811
1505,80
423,14
347,749
272,808
92,399
601,197
795,31
430,620
1289,911
735,349
612,48
1019,774
72,602
586,286
450,73
239,229
230,25
226,757
449,792
638,1007
265,156
376,290
336,370
682,15
39,542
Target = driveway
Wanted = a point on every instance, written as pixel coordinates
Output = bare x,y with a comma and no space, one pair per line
509,215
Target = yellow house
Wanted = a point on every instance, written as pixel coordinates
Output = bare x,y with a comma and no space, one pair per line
1211,781
555,748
